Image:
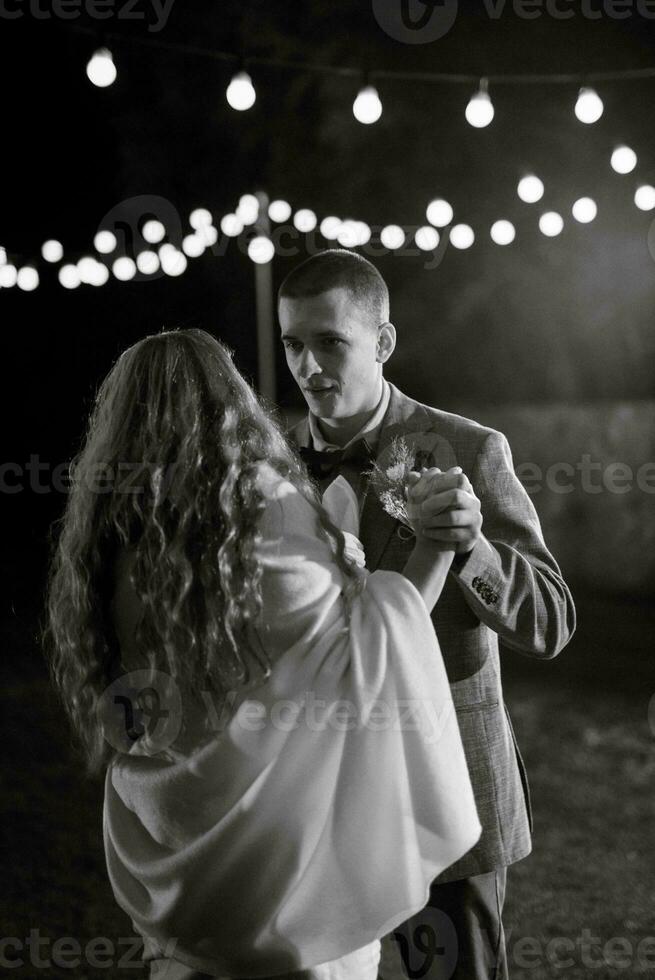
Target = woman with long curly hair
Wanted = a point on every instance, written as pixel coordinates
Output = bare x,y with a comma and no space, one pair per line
205,628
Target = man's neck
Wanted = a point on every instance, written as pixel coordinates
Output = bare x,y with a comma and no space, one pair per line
341,431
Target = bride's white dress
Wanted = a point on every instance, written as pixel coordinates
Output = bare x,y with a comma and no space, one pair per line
313,823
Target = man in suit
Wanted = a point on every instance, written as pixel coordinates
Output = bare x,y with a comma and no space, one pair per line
503,583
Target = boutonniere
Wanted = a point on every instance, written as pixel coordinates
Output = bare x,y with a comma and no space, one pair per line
391,481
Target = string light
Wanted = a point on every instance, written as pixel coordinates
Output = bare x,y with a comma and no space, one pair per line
367,107
240,93
193,246
100,274
105,242
200,217
101,69
153,231
624,160
52,250
304,220
248,209
261,249
645,197
86,268
439,213
173,262
589,106
8,275
69,277
124,268
231,225
3,255
503,232
27,278
551,223
279,211
329,227
427,238
480,110
392,237
584,210
530,189
462,236
147,262
208,235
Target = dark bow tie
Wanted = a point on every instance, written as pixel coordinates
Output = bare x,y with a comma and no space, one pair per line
322,465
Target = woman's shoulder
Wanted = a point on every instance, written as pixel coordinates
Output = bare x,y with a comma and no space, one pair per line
286,507
272,484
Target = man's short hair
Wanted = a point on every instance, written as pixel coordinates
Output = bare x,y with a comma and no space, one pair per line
340,268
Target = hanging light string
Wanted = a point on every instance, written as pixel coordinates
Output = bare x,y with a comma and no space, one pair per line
347,71
159,256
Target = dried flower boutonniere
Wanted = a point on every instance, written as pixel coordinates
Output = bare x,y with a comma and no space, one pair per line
391,482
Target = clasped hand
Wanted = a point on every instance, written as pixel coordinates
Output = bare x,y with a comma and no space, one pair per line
444,508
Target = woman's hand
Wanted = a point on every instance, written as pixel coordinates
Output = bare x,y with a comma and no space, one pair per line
420,487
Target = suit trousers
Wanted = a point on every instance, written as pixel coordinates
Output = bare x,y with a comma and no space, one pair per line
459,934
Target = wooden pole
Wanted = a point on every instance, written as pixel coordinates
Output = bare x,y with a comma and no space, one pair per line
265,312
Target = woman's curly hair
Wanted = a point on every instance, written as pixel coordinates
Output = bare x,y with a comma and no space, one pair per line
179,436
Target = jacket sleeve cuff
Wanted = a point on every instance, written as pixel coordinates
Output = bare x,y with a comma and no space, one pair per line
480,571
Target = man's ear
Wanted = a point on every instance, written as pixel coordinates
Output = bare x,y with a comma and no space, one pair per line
386,342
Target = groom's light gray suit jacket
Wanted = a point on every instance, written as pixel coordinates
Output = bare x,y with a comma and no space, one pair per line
508,587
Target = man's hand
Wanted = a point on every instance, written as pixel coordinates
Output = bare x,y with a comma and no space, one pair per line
445,509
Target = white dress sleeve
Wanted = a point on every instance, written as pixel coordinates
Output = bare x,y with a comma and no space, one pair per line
314,823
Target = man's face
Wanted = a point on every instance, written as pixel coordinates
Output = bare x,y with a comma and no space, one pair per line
331,351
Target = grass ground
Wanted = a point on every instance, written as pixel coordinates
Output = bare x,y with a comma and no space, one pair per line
578,907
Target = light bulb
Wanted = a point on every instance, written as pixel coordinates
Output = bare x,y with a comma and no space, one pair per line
147,262
503,232
304,220
231,225
240,93
52,250
462,236
624,160
8,275
124,268
208,235
153,231
348,234
584,210
173,263
530,189
439,213
99,275
200,217
645,197
427,238
392,237
248,209
551,223
193,245
367,107
261,249
330,227
86,268
589,106
69,277
279,211
3,255
480,110
27,278
101,69
105,242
